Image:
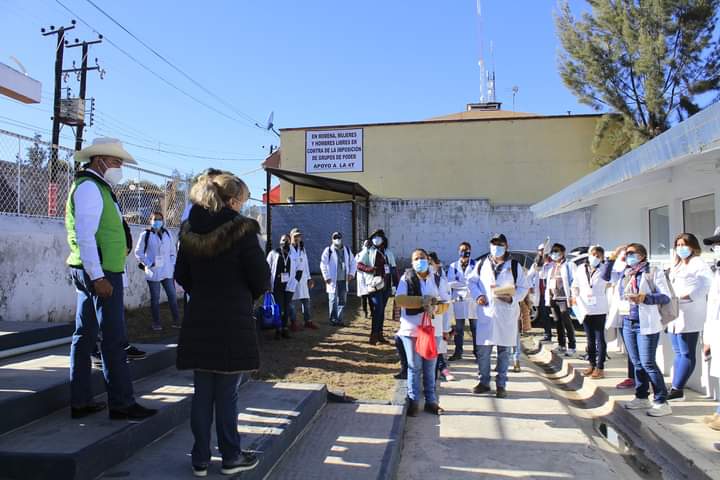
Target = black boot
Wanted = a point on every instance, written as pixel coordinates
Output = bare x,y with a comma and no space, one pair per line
413,408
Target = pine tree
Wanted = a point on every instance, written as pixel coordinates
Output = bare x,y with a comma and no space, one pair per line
649,62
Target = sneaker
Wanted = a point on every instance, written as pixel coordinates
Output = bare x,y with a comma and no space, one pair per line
660,410
639,404
200,470
455,357
676,395
560,350
247,461
157,328
433,408
588,372
135,354
480,389
516,367
625,384
501,392
449,377
89,409
570,352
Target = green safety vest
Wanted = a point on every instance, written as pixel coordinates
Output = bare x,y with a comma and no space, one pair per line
110,236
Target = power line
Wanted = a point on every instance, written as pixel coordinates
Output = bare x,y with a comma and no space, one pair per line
244,122
173,66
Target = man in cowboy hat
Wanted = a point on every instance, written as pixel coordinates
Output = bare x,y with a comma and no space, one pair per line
99,241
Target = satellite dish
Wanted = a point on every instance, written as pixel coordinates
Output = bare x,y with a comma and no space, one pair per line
20,65
269,125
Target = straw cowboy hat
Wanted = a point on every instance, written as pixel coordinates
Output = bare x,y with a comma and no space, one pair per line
110,147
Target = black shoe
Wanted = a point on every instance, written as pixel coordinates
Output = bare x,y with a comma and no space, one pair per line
200,470
247,461
501,392
675,394
89,409
278,335
480,389
135,354
133,412
400,375
413,409
455,357
433,408
285,333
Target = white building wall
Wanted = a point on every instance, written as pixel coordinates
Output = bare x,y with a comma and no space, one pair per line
440,225
623,218
34,281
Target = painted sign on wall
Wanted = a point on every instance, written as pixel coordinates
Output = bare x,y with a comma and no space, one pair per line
334,150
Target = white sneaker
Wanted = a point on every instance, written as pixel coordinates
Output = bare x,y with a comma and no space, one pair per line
639,404
570,352
660,410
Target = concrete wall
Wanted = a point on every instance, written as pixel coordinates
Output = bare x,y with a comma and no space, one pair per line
511,161
34,281
441,225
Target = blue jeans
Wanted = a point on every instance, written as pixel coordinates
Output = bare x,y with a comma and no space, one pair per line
218,393
684,345
378,300
594,326
93,315
336,302
417,366
169,286
503,359
641,350
304,306
460,335
517,350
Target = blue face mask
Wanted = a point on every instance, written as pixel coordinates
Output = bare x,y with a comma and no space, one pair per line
632,260
497,250
421,265
157,224
555,256
683,251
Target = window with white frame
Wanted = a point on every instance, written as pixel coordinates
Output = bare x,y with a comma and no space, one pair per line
699,216
659,231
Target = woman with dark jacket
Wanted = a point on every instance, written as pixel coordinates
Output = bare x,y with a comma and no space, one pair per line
222,267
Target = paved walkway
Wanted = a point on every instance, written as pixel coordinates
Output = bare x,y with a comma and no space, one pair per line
530,434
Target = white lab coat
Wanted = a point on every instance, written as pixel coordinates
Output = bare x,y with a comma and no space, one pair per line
590,295
445,292
301,263
362,288
711,332
464,306
567,273
409,323
497,322
273,259
693,279
329,264
159,258
650,320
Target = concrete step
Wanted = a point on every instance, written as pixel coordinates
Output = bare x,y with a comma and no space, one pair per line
38,383
57,447
19,334
680,445
347,441
272,417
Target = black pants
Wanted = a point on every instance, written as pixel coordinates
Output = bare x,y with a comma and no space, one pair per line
284,299
365,304
544,318
564,324
401,353
594,326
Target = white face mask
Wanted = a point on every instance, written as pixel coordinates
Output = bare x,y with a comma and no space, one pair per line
113,175
337,242
377,241
594,261
619,266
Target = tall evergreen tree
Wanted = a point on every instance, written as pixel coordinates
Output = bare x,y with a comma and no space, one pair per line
648,62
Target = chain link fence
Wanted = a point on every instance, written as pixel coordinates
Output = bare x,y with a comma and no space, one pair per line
31,184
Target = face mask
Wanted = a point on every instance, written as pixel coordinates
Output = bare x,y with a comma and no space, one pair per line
555,256
497,250
632,260
113,175
337,242
683,251
465,254
594,262
619,266
421,265
716,251
285,245
157,224
377,241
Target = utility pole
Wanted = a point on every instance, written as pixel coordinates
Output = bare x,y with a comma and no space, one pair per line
59,51
83,83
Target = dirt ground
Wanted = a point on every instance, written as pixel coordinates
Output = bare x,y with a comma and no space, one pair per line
341,357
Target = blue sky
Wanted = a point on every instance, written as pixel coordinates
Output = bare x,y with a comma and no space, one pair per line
313,63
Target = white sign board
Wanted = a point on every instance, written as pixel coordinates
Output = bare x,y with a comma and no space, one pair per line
334,150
